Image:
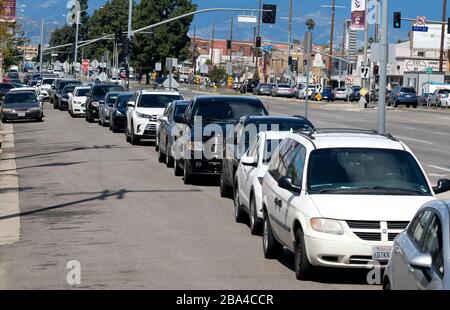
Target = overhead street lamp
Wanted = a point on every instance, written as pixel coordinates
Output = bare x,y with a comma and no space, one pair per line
41,50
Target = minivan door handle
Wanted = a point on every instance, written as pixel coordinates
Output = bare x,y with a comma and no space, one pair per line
278,202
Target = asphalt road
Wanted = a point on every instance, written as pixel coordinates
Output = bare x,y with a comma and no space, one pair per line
87,195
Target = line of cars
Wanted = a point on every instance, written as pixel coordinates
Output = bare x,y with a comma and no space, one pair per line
336,198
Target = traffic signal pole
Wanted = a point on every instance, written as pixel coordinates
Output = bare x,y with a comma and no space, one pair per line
129,36
383,68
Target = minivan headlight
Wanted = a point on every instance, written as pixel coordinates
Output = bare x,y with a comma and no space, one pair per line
327,226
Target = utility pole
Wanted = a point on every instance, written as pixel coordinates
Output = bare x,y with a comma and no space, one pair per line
42,46
212,39
366,41
231,37
441,55
330,61
377,21
289,40
254,47
194,63
129,36
258,34
383,68
75,57
342,54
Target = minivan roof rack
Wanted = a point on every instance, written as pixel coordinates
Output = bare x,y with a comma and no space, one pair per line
310,134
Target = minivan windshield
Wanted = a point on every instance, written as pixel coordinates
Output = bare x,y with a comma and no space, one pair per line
227,109
157,100
365,171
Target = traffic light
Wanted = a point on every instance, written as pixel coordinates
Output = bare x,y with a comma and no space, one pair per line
118,36
258,41
290,61
397,20
229,44
39,52
269,14
448,26
376,70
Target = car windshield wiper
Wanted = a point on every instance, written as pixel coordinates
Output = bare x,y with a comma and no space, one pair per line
392,190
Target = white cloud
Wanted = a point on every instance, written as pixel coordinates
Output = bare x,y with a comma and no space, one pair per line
48,3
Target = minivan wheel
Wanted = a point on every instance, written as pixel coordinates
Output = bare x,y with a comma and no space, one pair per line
187,175
271,247
238,212
255,225
169,159
161,156
177,171
301,262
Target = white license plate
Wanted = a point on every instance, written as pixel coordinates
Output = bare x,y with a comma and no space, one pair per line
381,253
21,114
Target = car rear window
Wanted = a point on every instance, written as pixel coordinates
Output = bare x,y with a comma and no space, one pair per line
21,97
157,100
103,90
408,90
444,91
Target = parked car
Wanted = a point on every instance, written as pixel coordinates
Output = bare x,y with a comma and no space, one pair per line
58,90
46,84
77,100
340,93
220,112
403,95
440,97
425,99
105,106
143,111
248,85
263,89
355,95
323,93
64,97
4,89
118,113
166,131
421,254
97,94
21,105
244,132
283,90
249,178
339,198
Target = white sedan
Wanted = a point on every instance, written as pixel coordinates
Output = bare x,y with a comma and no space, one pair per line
249,177
77,100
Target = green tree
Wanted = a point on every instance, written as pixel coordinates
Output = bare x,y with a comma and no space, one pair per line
168,40
217,74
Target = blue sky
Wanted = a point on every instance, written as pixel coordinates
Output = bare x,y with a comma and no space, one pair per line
35,10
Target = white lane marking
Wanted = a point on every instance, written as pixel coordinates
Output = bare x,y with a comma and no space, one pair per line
444,117
437,175
415,140
439,168
9,197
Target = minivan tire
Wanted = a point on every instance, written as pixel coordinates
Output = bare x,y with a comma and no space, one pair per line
271,247
302,266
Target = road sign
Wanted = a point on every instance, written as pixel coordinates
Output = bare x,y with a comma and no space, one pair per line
429,70
416,66
229,68
167,83
365,72
171,62
420,28
102,77
95,64
247,19
363,92
158,66
349,80
421,20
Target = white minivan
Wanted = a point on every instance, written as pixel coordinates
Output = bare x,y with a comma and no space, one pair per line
339,198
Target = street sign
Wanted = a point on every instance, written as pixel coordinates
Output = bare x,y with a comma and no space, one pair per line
349,80
416,65
229,68
158,66
171,62
365,72
102,77
167,83
429,70
247,19
95,64
54,55
421,20
420,28
363,92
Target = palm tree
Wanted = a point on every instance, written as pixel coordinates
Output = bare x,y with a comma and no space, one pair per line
310,23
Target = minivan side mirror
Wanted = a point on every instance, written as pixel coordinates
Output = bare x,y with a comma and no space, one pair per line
443,185
286,183
421,261
248,161
179,119
131,104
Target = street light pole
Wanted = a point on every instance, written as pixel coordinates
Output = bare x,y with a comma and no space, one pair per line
384,47
366,41
330,61
129,35
42,46
441,55
289,40
75,57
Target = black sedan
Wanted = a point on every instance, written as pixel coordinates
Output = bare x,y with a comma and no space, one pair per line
64,96
21,105
118,112
166,131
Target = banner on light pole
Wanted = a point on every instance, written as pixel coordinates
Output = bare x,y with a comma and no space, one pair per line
358,14
7,11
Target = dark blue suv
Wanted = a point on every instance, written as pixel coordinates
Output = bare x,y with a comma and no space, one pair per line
403,95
